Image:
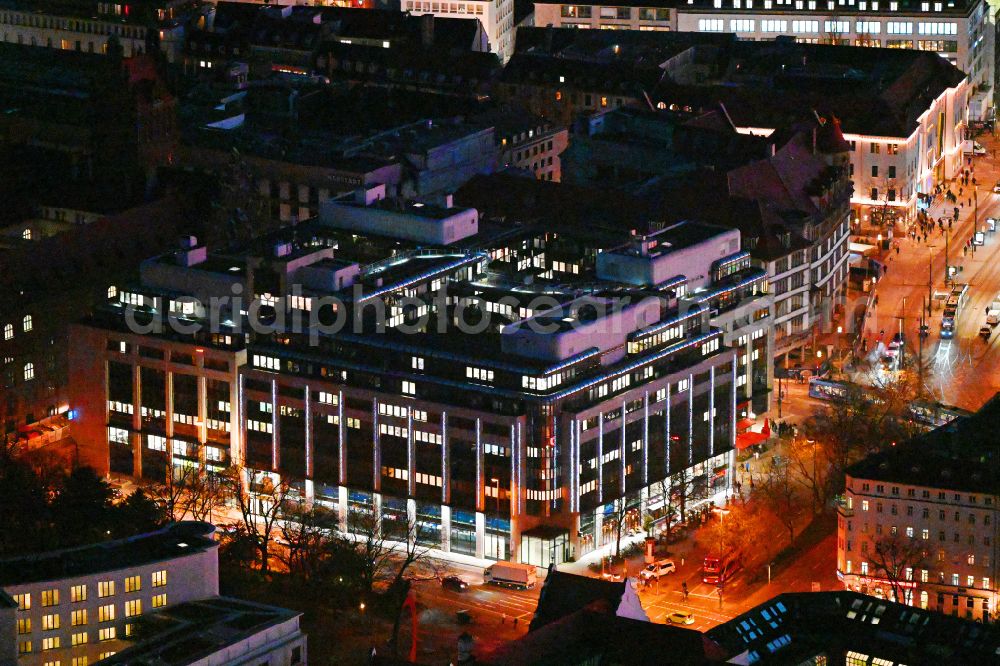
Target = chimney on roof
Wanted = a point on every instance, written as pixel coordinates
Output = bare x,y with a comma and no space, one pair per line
427,30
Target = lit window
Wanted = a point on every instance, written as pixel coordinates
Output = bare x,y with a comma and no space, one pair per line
133,607
50,643
106,613
81,661
133,584
79,638
29,371
159,601
50,622
159,578
409,388
8,331
23,601
24,647
78,617
26,323
106,634
50,597
106,588
78,593
24,625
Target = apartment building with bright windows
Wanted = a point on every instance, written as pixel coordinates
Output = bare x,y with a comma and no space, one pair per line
79,605
615,15
920,520
960,32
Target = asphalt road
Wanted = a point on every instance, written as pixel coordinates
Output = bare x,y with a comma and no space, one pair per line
964,370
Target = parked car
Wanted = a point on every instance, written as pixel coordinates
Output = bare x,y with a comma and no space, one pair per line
985,332
978,149
657,569
454,583
679,617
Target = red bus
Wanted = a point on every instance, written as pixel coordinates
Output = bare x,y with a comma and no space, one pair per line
717,570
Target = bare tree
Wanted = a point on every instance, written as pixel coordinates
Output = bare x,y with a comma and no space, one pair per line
778,494
260,501
813,467
892,556
309,532
189,491
410,549
373,550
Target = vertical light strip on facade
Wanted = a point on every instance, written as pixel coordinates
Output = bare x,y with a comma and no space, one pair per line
690,419
241,445
376,453
275,425
622,453
600,457
645,438
480,490
308,431
732,410
574,465
341,444
515,487
445,463
410,453
711,411
666,432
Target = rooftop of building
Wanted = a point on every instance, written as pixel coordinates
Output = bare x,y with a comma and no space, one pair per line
885,9
340,127
963,455
793,628
873,9
85,9
677,236
579,618
307,26
190,631
874,91
174,540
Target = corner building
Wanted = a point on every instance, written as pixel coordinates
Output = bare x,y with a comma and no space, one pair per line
938,495
498,441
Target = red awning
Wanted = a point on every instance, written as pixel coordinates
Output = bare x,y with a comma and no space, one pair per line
745,440
744,424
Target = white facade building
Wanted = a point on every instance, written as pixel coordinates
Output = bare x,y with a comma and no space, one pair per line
497,18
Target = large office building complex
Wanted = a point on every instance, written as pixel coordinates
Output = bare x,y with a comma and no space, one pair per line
505,401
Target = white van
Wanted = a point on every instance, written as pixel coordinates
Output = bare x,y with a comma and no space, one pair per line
511,574
657,569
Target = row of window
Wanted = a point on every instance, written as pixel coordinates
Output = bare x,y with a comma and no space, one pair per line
78,593
26,325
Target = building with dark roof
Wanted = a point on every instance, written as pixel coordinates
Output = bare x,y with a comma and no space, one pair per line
959,32
153,598
890,102
853,629
584,620
919,520
84,601
219,630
